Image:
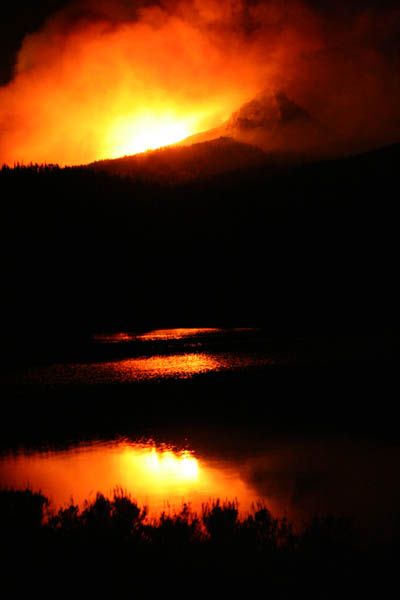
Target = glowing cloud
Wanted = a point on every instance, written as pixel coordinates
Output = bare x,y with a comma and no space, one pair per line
104,79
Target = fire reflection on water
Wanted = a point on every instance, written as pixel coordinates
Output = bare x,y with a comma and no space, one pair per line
158,477
179,333
294,478
155,355
180,366
158,367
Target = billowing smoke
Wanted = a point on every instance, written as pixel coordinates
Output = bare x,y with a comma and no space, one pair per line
107,78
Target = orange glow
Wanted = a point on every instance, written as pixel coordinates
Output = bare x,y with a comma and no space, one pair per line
90,90
168,466
113,338
105,79
293,477
176,334
158,334
138,133
179,365
156,477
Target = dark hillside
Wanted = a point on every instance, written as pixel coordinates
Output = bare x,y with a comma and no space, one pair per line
296,248
185,163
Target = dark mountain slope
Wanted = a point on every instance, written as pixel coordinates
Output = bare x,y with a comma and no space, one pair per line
277,124
269,129
185,163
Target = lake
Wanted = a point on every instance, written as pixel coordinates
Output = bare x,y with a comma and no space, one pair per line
158,355
195,458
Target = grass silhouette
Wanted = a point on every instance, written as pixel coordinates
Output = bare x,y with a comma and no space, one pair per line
111,543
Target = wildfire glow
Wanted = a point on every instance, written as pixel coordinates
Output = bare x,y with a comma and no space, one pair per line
89,90
170,466
131,135
154,476
112,78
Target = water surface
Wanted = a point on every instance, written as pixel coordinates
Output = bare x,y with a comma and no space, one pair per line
296,478
155,355
293,476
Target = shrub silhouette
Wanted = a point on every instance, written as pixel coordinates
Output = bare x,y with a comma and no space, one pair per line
261,528
178,530
112,540
119,517
21,510
67,519
127,518
221,520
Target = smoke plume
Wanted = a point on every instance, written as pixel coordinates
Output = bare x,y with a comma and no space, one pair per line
107,78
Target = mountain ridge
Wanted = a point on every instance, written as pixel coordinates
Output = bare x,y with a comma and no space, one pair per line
173,164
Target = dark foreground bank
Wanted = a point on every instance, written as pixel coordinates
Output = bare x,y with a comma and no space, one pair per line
110,546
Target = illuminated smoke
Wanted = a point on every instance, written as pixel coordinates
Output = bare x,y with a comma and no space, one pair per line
104,79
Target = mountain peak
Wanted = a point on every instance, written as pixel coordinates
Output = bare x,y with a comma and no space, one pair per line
268,111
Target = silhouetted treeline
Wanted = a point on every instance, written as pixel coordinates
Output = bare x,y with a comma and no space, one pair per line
295,247
109,544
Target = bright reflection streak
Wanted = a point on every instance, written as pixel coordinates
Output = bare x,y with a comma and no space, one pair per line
298,478
157,334
113,337
176,334
173,366
160,367
156,477
169,466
